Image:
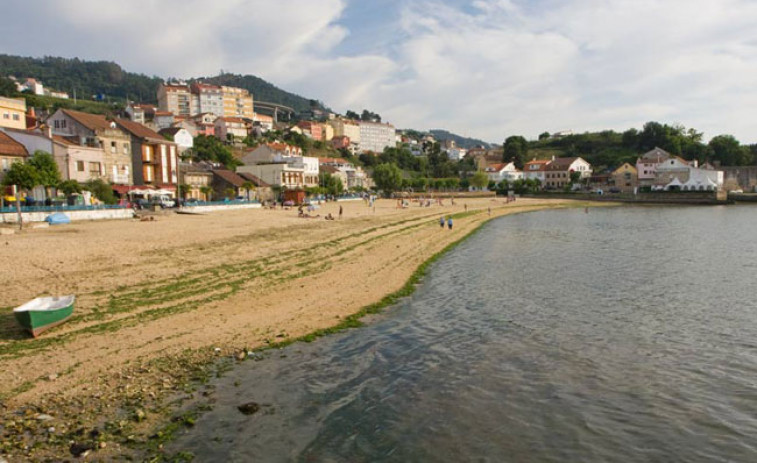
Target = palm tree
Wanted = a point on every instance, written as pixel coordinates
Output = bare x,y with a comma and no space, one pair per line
207,191
249,186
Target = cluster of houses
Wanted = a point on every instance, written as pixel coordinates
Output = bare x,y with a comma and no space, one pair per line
656,170
131,155
143,149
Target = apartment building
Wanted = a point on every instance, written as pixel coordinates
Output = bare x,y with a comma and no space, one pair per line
13,113
375,136
237,102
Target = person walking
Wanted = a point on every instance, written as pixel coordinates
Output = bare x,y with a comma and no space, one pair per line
449,222
340,211
441,221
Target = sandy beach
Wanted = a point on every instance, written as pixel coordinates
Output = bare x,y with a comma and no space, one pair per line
155,296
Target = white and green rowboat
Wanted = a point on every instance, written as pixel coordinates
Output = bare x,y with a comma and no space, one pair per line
44,313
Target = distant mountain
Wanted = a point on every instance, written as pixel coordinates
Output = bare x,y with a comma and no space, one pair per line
462,142
90,78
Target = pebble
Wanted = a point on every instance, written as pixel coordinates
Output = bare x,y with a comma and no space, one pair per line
241,355
249,408
44,417
52,377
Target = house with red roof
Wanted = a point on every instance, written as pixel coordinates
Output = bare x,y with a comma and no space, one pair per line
503,171
154,159
231,128
10,151
93,131
557,174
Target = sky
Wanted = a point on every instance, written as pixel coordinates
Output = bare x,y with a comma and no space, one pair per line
482,68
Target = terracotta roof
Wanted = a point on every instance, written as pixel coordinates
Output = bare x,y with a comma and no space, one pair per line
333,161
655,155
10,147
561,163
170,131
254,179
329,169
232,119
229,177
139,130
497,167
163,113
93,122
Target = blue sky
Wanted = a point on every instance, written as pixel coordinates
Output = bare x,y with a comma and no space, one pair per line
482,68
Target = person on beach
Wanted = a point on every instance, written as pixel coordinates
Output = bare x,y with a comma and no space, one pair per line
490,210
466,207
449,222
441,221
340,212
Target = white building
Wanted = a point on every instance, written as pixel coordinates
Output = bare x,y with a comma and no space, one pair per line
535,170
456,154
687,176
375,136
504,171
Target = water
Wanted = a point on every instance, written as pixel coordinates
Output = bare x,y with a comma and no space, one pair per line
625,334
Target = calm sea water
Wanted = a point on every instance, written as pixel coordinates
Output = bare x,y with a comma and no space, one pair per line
624,334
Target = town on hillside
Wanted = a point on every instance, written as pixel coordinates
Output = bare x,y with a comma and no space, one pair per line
208,143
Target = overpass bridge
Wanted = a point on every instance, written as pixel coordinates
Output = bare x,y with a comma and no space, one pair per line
274,109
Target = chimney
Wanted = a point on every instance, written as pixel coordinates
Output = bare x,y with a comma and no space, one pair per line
49,131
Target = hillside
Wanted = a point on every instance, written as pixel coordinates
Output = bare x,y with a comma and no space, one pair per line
90,78
462,142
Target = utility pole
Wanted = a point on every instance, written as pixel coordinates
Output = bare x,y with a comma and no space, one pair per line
18,207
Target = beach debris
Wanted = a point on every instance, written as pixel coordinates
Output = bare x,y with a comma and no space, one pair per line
80,450
249,408
241,355
44,417
139,415
52,377
217,350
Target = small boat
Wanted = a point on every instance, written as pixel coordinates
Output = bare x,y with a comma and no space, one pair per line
44,313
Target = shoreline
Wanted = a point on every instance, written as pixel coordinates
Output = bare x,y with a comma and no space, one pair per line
144,383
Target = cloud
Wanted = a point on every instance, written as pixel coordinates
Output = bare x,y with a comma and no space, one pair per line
487,68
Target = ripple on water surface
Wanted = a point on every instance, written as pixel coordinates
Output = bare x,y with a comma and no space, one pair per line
624,334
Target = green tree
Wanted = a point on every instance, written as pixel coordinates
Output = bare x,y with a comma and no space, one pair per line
47,170
7,87
210,148
479,179
388,177
102,191
23,175
728,150
544,136
69,187
515,150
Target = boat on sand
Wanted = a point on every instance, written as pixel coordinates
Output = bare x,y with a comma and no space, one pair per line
43,313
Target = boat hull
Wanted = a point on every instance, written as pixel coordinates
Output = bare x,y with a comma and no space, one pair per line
36,322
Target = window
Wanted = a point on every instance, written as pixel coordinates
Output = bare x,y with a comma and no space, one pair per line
6,116
80,166
94,168
57,124
63,124
126,148
5,164
112,147
16,118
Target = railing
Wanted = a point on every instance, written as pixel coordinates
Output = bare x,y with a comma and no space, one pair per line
59,208
220,203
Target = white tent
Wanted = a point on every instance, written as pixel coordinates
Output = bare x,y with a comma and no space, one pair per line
674,183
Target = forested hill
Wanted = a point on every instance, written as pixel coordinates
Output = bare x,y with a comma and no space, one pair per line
90,78
86,77
462,142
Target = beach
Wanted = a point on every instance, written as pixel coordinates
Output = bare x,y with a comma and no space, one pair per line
158,300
